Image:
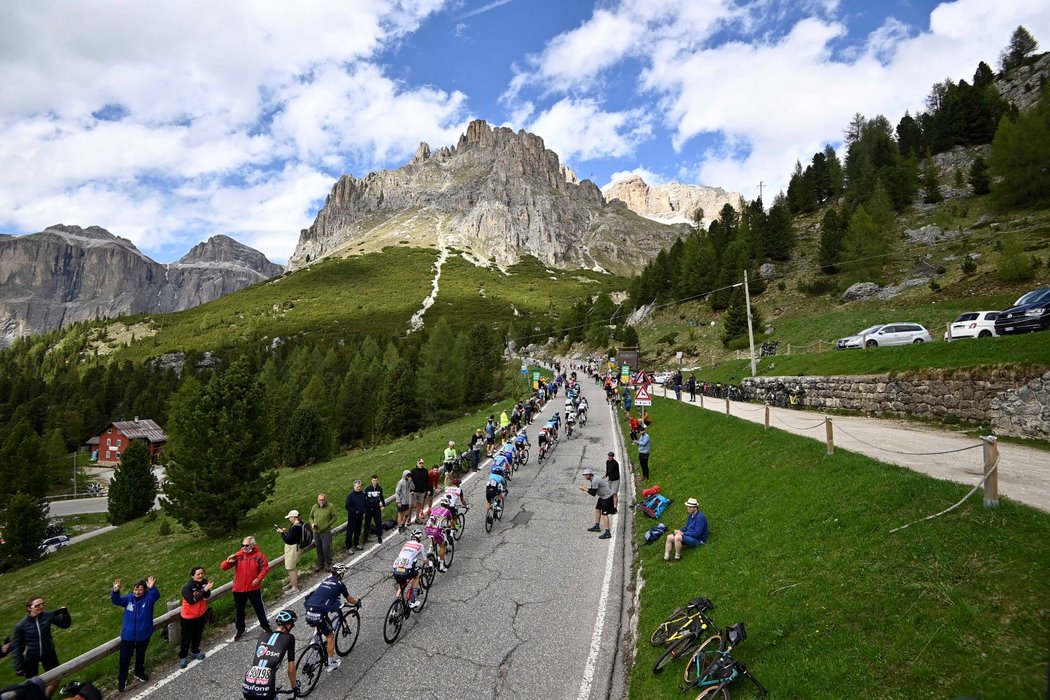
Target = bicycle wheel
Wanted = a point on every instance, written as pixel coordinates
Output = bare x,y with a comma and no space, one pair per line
701,658
450,550
395,618
347,632
674,651
423,593
665,628
525,456
309,667
488,521
714,692
426,577
457,532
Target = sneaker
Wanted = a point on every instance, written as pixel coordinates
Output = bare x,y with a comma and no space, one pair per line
379,540
605,535
333,664
359,547
142,676
121,687
594,528
199,656
183,663
442,568
236,637
415,605
293,590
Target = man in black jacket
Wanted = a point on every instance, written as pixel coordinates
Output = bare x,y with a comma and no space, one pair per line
31,643
374,509
356,504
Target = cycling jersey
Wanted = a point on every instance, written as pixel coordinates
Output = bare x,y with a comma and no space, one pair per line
454,495
570,417
406,558
326,598
439,517
543,437
259,680
497,481
521,440
499,461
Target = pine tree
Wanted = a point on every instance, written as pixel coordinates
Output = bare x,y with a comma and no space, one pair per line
23,522
832,232
133,487
1020,152
1014,265
308,439
217,469
396,399
735,319
979,179
1022,45
931,189
863,247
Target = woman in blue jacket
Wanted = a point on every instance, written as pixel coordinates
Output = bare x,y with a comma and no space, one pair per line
137,627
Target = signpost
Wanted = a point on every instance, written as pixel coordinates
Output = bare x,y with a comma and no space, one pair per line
642,397
536,379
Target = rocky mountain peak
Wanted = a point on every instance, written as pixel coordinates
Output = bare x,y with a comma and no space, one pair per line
497,195
671,202
223,249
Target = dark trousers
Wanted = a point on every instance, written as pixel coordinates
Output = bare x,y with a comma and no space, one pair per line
323,545
692,393
127,648
353,528
192,631
48,660
239,601
374,514
643,460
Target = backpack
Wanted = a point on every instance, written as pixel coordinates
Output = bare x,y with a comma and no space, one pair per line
655,488
307,538
655,505
655,533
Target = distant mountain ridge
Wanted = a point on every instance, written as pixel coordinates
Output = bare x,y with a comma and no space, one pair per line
498,195
672,202
66,274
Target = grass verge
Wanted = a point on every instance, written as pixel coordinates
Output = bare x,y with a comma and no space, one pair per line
834,605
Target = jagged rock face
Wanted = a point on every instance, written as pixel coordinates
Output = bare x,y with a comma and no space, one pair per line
66,274
1020,86
671,202
497,194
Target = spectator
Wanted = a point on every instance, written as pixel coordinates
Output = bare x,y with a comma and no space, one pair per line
355,516
647,419
322,520
612,475
420,486
195,596
292,536
250,567
403,499
635,428
599,487
374,509
504,423
475,448
677,384
490,435
693,534
136,628
643,443
692,387
31,643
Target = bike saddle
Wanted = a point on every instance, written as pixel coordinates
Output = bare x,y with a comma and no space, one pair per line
702,603
736,634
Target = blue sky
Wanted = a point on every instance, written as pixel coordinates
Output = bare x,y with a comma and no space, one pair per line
169,122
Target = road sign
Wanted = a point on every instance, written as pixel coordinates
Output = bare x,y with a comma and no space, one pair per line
643,379
642,397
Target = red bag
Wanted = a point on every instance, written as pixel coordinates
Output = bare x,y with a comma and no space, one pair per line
651,491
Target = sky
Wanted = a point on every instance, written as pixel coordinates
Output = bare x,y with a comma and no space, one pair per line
172,121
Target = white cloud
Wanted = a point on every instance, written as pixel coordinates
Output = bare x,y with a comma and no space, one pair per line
579,129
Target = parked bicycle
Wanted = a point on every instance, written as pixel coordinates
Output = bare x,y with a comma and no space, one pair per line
712,669
314,658
693,627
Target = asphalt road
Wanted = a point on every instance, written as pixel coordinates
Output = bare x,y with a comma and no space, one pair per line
531,610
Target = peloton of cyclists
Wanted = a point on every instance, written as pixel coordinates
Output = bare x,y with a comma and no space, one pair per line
326,600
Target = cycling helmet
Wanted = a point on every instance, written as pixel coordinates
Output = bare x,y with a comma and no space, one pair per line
497,469
286,618
416,535
338,569
445,502
455,481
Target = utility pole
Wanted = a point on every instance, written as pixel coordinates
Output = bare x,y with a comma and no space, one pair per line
750,330
760,186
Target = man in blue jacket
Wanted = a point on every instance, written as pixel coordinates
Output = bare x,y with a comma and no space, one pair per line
137,627
693,534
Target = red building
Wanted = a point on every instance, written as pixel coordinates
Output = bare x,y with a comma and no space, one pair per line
108,445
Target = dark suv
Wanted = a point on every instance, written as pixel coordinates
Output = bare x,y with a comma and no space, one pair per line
1029,313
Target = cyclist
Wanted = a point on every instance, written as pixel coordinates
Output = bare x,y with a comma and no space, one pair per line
454,498
324,601
499,461
508,451
543,441
521,443
582,409
570,419
440,517
495,488
260,682
406,568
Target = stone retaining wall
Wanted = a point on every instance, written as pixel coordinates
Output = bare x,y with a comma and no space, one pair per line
1007,405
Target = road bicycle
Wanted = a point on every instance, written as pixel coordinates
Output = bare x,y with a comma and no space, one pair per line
712,669
346,623
496,513
461,521
400,610
568,428
693,627
521,456
430,549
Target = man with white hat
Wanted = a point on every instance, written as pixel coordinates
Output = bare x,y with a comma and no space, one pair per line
693,534
597,486
292,536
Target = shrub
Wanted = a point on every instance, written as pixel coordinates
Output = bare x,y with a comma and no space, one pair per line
817,286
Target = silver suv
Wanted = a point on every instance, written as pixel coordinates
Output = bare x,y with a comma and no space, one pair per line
886,334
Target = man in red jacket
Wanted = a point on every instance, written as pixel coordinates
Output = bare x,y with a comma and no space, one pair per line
249,566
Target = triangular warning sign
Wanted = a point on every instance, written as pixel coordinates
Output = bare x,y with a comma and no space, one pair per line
642,379
642,395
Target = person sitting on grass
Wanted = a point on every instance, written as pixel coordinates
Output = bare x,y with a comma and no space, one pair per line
692,535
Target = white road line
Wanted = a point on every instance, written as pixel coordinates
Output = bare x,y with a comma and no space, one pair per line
599,625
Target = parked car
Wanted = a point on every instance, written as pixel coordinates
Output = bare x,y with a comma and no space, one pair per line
886,334
53,544
662,377
1029,313
973,324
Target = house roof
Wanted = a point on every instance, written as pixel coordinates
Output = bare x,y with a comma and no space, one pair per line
141,429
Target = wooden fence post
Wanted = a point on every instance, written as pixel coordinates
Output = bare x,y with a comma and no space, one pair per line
767,414
174,629
701,399
948,335
991,461
727,405
831,435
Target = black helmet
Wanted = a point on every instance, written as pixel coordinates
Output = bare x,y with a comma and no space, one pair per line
286,618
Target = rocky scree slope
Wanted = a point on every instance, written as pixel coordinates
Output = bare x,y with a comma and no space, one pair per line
498,195
66,274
